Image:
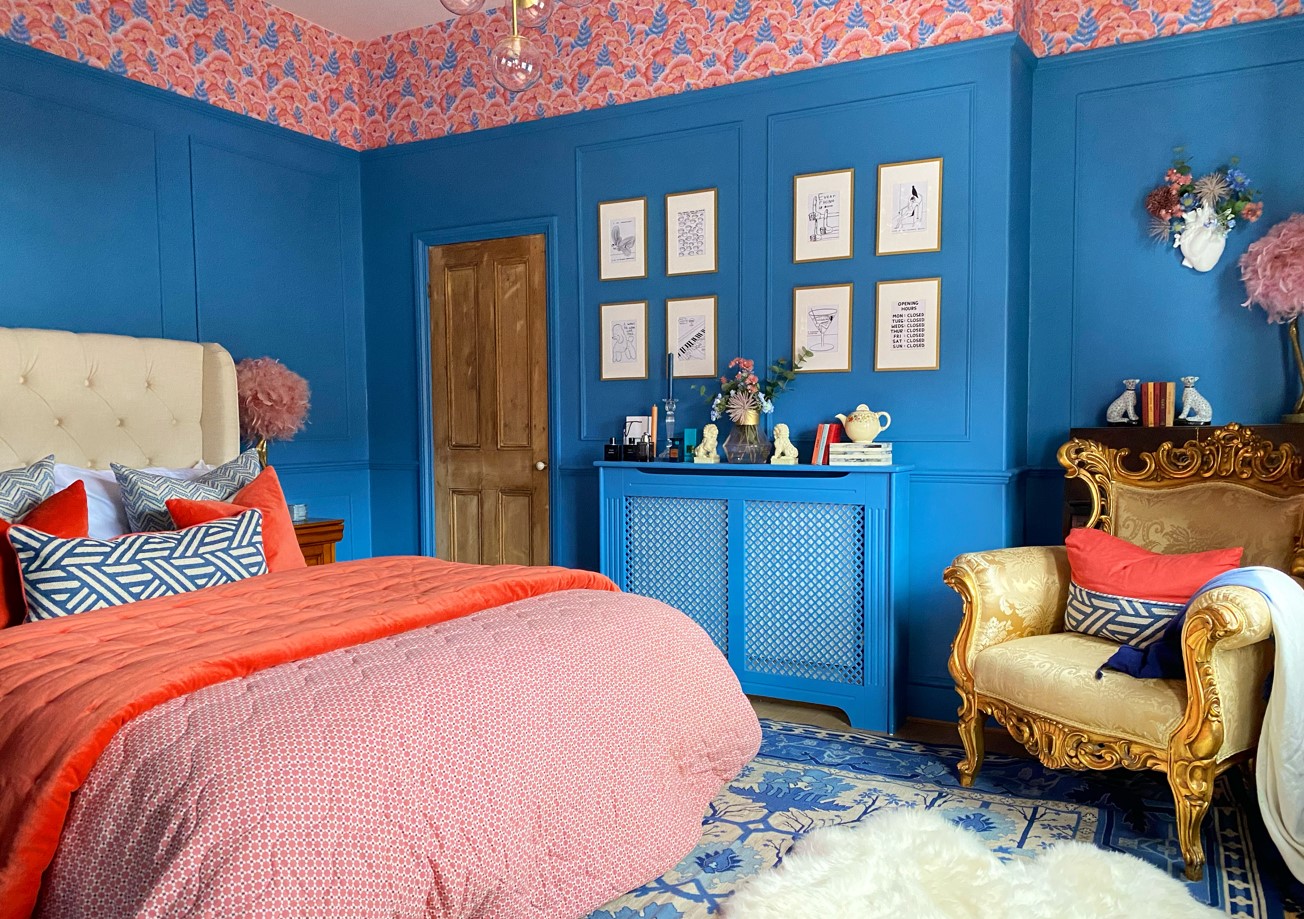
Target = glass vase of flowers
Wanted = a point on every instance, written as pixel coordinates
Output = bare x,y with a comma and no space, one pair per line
745,397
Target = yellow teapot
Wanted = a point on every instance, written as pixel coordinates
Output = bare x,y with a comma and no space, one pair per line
862,425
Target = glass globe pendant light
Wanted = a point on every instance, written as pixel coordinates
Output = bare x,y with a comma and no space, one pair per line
533,14
463,7
517,62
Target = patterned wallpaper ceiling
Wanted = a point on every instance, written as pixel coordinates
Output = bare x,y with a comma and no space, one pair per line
261,60
374,18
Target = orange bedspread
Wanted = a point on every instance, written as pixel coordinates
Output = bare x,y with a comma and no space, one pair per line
67,685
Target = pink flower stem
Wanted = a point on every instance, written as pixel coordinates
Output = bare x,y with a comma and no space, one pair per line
1299,362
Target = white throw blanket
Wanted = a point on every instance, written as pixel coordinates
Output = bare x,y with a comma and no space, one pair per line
1281,744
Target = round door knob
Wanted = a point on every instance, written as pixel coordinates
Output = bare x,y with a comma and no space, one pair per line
541,465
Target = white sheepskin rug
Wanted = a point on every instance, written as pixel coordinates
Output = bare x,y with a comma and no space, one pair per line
914,864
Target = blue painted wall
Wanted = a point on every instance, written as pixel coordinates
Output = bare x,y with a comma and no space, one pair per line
1106,302
130,210
962,425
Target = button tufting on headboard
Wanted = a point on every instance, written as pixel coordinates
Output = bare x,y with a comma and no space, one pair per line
92,400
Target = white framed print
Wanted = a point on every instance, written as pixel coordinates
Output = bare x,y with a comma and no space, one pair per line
821,323
909,207
823,212
690,330
622,239
624,340
907,325
692,224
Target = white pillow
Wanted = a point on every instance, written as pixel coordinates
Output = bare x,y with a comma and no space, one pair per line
106,515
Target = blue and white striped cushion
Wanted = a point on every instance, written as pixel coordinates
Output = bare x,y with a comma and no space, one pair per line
1126,620
145,495
62,577
21,490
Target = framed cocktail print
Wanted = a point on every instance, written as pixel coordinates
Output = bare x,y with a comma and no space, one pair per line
822,218
690,330
909,207
624,340
907,329
622,239
691,225
821,323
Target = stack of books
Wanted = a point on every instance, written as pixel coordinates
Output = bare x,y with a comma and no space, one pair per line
825,436
853,454
1158,404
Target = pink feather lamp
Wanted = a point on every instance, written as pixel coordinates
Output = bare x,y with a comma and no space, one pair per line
273,402
1273,271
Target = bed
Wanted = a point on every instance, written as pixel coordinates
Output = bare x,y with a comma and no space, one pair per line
397,737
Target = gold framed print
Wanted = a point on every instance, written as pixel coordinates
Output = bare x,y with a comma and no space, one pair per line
823,215
692,228
622,239
624,340
821,323
690,330
909,207
907,325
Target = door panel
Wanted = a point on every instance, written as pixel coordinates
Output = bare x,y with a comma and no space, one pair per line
490,399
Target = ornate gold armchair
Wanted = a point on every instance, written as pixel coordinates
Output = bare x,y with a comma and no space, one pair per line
1013,660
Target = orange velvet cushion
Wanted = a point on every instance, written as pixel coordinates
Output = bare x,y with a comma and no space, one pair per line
63,514
264,493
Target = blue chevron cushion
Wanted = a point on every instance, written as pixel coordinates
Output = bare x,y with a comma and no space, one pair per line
1126,620
145,495
62,577
22,489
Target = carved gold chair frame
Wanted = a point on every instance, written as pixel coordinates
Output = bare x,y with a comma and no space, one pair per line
1232,454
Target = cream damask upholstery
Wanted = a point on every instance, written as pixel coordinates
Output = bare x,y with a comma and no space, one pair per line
1013,660
1210,515
95,399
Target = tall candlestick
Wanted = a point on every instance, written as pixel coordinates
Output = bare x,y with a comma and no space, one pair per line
670,374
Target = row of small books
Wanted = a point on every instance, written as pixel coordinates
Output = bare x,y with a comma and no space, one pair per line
831,450
1158,404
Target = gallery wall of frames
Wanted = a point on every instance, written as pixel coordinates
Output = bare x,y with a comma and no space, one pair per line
825,209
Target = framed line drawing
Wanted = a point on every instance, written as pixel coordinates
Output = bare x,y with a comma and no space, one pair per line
909,207
823,214
624,340
692,226
821,323
690,330
907,325
622,239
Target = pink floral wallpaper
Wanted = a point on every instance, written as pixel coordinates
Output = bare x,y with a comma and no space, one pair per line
251,57
243,55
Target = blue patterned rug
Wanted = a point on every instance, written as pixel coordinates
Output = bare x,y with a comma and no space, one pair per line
805,778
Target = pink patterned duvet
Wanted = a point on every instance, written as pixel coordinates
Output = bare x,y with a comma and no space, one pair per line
533,760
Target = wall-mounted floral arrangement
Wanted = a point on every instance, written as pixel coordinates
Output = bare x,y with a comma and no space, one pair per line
1196,214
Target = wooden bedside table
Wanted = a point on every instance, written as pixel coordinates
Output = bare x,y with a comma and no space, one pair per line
317,539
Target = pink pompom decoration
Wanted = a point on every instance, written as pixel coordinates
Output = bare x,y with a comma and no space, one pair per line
1273,270
273,399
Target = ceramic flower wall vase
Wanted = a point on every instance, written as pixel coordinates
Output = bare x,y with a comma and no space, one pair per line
1203,240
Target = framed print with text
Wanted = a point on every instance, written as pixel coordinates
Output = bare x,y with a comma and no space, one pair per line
624,340
907,324
821,323
622,239
691,225
909,207
823,214
690,330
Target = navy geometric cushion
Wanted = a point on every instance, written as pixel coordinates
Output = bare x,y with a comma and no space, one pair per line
145,495
22,489
62,577
1126,620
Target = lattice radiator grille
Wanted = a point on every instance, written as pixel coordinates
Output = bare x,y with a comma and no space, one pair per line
804,569
677,551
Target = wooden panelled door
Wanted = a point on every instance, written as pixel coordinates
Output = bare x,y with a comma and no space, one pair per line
489,368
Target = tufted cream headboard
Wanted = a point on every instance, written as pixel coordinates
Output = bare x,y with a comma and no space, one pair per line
92,400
